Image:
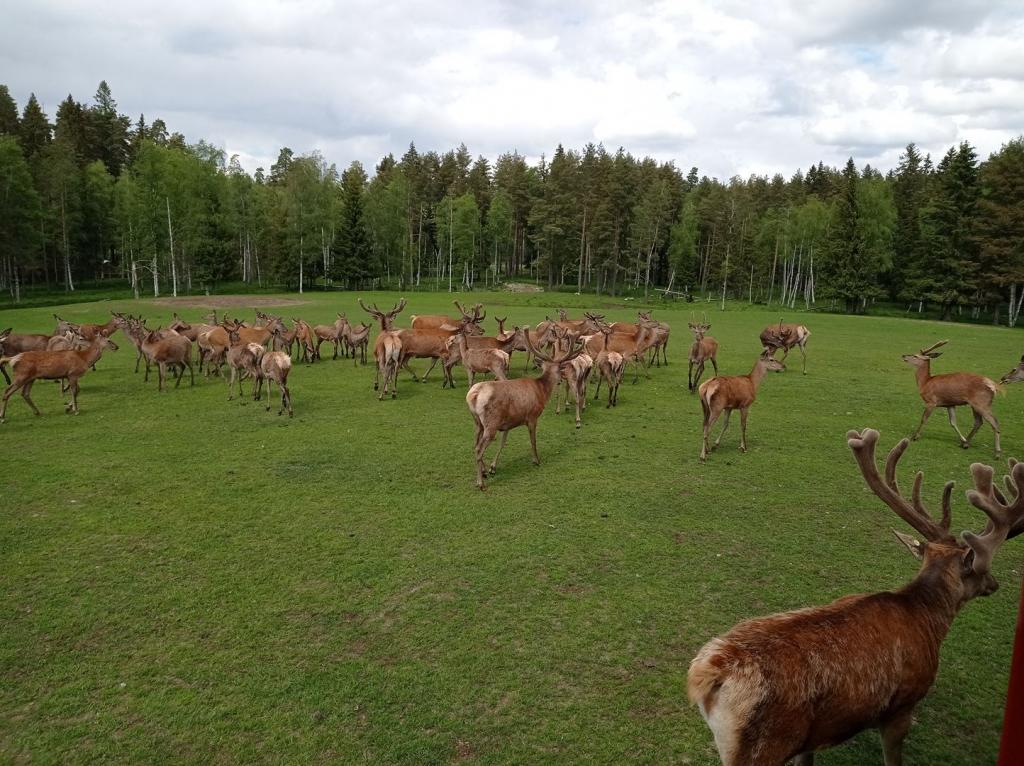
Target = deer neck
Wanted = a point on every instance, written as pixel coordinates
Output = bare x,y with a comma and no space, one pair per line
935,599
923,374
549,378
91,354
757,374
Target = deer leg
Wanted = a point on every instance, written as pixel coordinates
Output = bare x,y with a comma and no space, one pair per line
74,394
707,432
581,403
501,446
231,383
138,358
804,759
725,427
803,353
991,420
597,393
714,364
191,374
484,438
405,363
532,426
924,419
335,351
689,377
286,399
432,365
7,395
893,732
952,421
26,394
743,428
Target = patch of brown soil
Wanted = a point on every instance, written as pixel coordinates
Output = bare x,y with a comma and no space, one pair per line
225,301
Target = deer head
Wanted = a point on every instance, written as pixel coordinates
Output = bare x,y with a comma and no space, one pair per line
925,355
556,361
966,561
1013,376
386,318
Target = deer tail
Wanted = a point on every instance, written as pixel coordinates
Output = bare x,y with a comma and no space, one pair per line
706,675
991,385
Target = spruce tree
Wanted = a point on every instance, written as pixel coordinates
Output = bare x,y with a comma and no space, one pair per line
35,129
351,249
8,113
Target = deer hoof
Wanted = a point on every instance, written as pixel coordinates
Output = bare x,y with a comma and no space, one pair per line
965,445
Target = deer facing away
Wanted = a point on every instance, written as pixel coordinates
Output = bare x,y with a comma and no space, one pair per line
787,685
733,392
952,390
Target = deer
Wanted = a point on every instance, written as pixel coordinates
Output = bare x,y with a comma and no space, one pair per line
726,393
87,331
307,340
610,366
704,349
659,344
168,350
787,685
1013,376
330,332
539,335
501,405
952,390
356,339
273,367
505,342
387,347
475,360
441,321
12,343
433,343
632,348
575,376
786,336
30,366
240,359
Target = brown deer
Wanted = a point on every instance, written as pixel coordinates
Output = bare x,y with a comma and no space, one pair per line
952,390
475,360
306,339
30,366
504,342
330,332
387,347
87,331
356,339
12,343
540,336
610,366
786,336
732,392
574,376
787,685
501,405
632,347
1013,376
441,321
704,349
240,358
273,367
168,350
433,343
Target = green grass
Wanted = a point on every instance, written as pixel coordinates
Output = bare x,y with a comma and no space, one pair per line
187,579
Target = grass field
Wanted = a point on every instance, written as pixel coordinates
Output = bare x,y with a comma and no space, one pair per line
187,579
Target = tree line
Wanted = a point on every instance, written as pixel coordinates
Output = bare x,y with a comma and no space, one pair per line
94,195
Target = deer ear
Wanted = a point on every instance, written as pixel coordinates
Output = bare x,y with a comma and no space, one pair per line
933,354
914,545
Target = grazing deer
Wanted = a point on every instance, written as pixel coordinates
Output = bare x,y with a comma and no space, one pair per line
441,321
306,339
952,390
501,405
785,336
1013,376
787,685
732,392
475,360
704,349
574,376
273,367
30,366
387,347
168,350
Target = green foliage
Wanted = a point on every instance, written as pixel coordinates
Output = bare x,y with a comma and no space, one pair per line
20,208
352,248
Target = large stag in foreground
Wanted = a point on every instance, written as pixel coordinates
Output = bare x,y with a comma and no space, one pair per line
787,685
732,392
786,336
952,390
501,405
387,348
704,349
30,366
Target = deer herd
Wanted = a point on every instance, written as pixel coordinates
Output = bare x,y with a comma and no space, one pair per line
771,689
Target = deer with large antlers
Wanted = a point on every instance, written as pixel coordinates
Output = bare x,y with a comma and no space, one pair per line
786,336
704,349
952,390
726,393
87,331
30,366
387,348
501,405
433,343
632,347
785,686
540,336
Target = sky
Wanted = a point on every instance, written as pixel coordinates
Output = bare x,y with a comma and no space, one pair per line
733,88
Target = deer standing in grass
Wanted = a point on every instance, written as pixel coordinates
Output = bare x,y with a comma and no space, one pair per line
784,686
574,376
501,405
704,349
1016,375
12,343
442,321
786,336
168,350
632,347
610,366
272,367
475,360
540,336
387,348
952,390
30,366
732,392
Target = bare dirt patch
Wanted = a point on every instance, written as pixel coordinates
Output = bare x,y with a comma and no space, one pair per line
226,301
523,287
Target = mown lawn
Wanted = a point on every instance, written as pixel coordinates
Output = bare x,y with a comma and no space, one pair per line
187,579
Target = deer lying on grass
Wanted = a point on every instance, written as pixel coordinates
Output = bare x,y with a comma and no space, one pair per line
501,405
30,366
387,347
574,376
732,392
475,360
952,390
786,336
441,321
168,350
1013,376
610,366
784,686
273,367
704,349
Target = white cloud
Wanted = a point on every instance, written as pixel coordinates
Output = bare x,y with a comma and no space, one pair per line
730,87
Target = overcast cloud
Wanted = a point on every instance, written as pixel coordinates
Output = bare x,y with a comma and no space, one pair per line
731,87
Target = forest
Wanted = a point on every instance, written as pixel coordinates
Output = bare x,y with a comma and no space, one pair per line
93,195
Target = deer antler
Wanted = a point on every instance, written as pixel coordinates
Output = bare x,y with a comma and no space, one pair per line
375,312
932,347
1006,519
915,514
397,309
460,308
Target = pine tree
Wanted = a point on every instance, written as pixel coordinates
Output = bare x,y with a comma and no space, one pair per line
35,129
19,212
999,226
910,189
110,131
851,270
352,249
8,113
